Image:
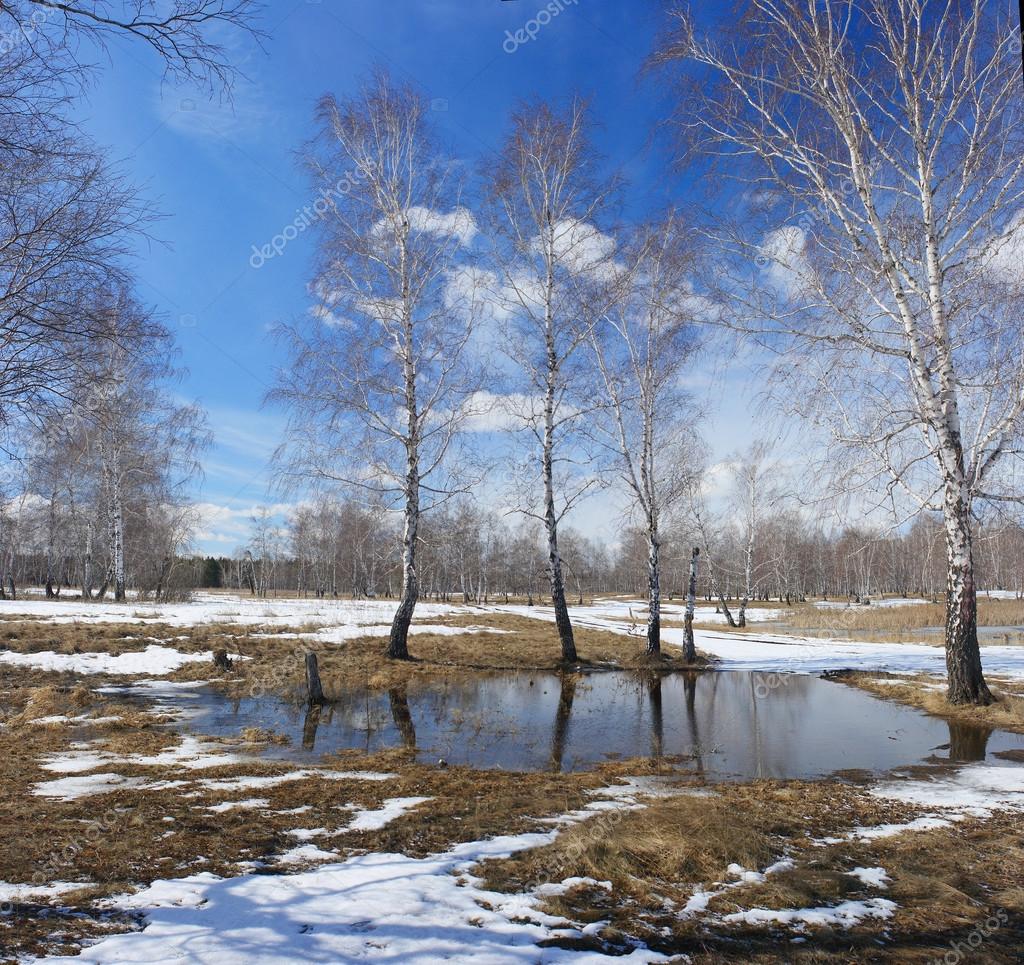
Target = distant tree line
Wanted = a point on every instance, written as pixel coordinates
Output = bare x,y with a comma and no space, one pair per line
337,549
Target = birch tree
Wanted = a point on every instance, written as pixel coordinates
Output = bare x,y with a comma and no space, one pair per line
545,203
642,347
884,138
145,444
67,218
379,377
711,538
753,493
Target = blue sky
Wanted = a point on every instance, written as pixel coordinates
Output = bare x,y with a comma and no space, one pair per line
225,177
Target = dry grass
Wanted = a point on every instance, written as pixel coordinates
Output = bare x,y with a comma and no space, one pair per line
275,655
991,613
691,838
945,882
263,735
51,700
35,636
929,694
521,643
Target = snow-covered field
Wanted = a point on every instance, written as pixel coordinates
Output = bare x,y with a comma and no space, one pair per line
330,621
335,621
635,611
154,661
390,907
221,608
780,652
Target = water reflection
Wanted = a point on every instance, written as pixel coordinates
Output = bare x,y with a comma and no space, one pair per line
690,688
657,716
566,696
968,742
720,725
309,726
398,701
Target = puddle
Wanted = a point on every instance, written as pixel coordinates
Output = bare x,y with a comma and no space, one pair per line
727,725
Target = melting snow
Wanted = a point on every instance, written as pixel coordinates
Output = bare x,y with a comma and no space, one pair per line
844,915
872,877
977,790
386,907
389,811
72,788
155,660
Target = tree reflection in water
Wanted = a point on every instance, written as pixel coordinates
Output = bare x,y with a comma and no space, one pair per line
968,742
690,689
657,716
398,700
566,696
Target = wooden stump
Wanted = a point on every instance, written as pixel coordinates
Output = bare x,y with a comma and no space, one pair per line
314,690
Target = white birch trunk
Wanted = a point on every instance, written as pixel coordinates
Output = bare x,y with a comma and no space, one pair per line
555,576
116,529
398,643
689,648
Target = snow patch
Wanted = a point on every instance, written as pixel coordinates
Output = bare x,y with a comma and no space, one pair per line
844,915
392,809
155,660
86,785
871,877
976,790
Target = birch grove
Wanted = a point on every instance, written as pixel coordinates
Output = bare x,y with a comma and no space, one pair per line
482,355
69,223
145,445
884,140
752,499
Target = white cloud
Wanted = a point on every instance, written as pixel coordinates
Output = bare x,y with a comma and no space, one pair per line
248,433
489,296
467,289
231,525
387,310
488,412
784,254
1006,263
458,223
197,114
687,303
329,318
581,247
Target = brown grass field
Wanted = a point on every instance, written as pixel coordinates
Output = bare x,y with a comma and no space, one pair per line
991,613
